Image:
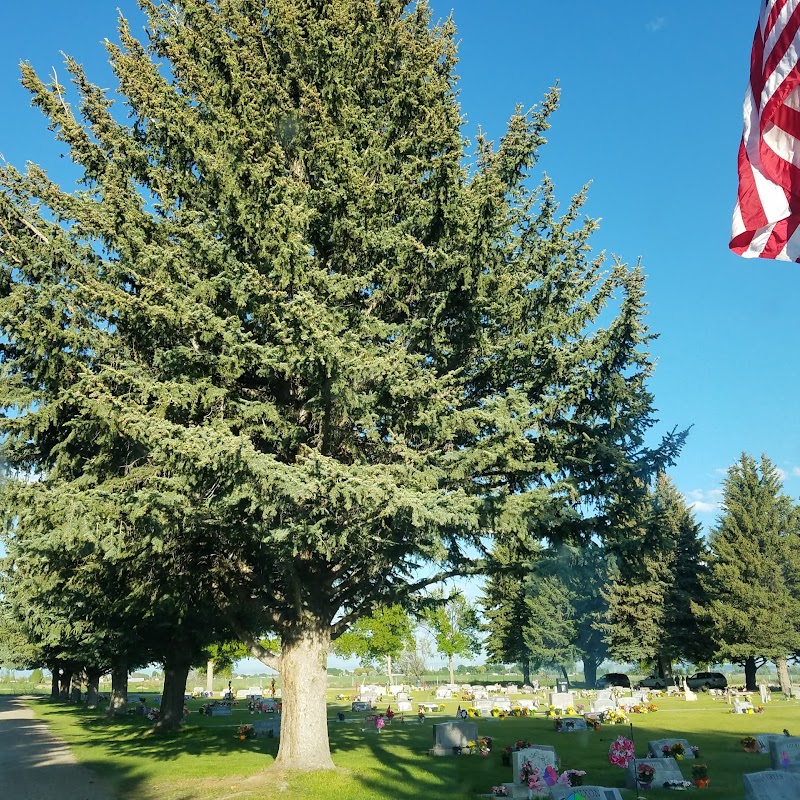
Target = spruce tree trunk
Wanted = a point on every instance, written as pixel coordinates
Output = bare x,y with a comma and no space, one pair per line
54,676
75,688
782,665
210,677
452,672
65,681
590,671
750,674
304,722
176,673
118,703
92,686
526,673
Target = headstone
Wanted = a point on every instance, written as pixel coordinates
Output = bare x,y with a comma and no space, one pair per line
742,706
241,694
220,711
443,693
269,728
771,785
559,792
401,695
360,706
570,724
449,735
529,704
561,699
403,705
484,706
395,689
656,745
785,754
540,755
689,694
764,739
269,704
638,697
480,694
666,770
501,702
600,705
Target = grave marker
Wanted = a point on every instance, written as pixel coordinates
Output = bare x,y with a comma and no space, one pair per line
570,724
449,735
666,770
561,699
764,739
784,754
655,746
540,755
771,785
559,792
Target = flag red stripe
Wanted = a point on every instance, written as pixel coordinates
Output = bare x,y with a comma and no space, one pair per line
768,208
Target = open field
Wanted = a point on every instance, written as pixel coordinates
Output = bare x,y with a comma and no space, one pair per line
207,760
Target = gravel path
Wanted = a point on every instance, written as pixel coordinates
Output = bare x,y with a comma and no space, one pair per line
35,765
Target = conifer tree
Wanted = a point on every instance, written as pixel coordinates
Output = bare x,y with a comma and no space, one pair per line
753,611
283,320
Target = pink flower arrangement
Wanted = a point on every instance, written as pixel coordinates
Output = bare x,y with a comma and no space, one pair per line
621,753
531,777
379,722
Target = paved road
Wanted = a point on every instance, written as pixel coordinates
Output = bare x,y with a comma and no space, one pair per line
35,765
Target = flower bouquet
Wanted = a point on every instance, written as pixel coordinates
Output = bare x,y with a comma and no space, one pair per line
500,791
700,775
678,751
246,731
621,752
679,786
532,778
750,744
645,774
695,751
572,777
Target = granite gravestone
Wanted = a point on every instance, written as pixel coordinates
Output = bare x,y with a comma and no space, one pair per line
655,746
570,724
764,739
540,755
587,792
449,736
561,699
771,785
784,754
666,770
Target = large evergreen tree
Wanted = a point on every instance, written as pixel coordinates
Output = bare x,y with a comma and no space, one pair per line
282,319
753,610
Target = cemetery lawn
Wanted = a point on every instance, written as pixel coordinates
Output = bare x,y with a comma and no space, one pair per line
207,760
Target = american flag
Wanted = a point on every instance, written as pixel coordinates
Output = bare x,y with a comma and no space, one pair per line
766,221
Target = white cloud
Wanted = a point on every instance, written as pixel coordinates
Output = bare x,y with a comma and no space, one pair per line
795,471
781,473
656,24
704,501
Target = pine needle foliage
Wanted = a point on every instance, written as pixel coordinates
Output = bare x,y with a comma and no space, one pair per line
283,318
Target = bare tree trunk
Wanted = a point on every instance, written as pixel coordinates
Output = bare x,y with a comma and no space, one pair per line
210,676
750,669
452,671
590,671
782,665
65,681
389,669
176,672
75,688
526,673
119,691
304,723
54,676
92,686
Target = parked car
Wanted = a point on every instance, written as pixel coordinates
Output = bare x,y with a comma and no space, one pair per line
707,680
613,679
653,682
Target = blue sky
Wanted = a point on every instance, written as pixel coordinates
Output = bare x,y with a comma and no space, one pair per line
651,115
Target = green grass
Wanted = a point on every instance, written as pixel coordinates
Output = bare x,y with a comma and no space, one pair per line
206,759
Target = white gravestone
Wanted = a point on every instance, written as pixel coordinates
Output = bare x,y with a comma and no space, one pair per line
484,706
742,706
561,699
666,770
655,747
450,735
559,792
785,754
443,693
764,739
404,705
501,702
541,756
601,704
771,785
